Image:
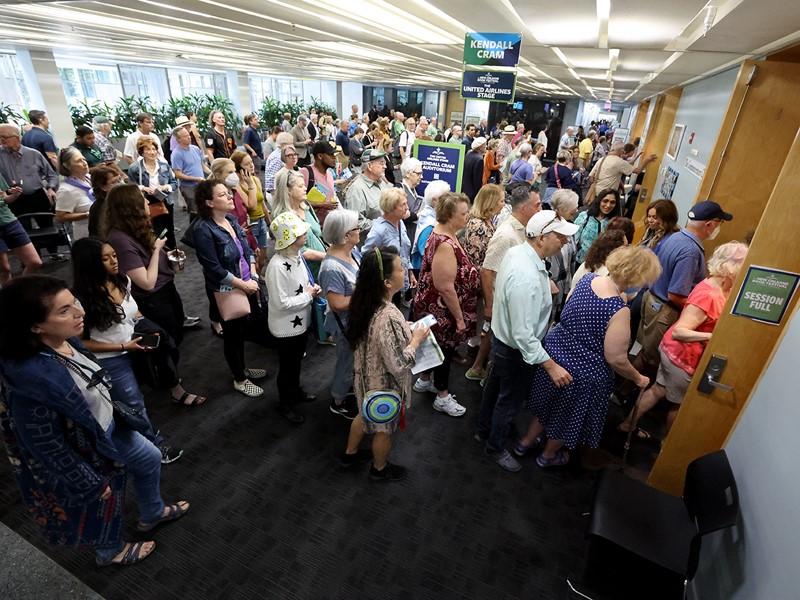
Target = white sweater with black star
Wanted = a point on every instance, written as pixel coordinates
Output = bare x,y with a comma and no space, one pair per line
289,302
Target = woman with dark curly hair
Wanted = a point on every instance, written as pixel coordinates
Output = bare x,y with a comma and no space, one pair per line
103,178
142,258
109,329
595,261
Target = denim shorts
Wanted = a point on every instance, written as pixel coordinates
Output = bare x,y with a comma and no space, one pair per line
259,231
13,235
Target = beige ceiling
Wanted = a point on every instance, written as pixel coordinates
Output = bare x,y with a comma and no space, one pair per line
569,48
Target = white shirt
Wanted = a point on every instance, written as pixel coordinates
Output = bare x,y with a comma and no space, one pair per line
542,139
130,144
72,199
118,333
407,141
289,304
97,397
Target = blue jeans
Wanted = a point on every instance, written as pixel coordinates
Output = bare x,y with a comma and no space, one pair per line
125,389
507,386
143,462
343,371
259,231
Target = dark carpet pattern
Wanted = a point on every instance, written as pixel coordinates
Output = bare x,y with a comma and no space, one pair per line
273,516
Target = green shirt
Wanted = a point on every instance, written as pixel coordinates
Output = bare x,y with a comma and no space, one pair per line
6,216
92,154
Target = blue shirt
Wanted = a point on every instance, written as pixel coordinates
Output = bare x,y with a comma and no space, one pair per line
338,277
683,263
344,141
521,170
522,303
38,139
252,139
383,233
188,161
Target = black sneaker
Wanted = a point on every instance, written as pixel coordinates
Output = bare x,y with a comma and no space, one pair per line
170,454
362,455
389,473
345,409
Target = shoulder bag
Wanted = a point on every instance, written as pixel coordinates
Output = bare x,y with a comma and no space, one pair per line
591,193
379,406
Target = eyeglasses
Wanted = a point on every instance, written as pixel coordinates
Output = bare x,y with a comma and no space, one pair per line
417,173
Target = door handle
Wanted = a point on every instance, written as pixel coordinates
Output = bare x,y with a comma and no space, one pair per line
711,375
720,386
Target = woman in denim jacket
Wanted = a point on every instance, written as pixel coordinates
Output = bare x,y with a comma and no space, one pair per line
157,182
228,265
70,444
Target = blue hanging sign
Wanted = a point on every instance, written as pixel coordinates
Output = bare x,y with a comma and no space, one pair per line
496,86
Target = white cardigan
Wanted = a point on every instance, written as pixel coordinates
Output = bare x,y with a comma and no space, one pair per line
289,302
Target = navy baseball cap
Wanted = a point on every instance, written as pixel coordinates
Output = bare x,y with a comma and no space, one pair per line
708,210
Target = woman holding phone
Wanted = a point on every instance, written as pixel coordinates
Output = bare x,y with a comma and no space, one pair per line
252,196
109,328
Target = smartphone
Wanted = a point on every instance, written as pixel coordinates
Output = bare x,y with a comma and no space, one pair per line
149,340
163,234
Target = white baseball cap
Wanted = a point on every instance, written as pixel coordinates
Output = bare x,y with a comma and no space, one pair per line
478,142
546,221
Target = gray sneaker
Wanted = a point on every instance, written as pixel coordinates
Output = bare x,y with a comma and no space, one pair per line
507,462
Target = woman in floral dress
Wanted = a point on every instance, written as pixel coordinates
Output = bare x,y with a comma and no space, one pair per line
448,288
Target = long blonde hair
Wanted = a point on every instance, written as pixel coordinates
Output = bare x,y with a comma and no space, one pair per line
281,201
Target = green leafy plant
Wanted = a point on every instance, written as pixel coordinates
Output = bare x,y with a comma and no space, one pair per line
321,107
9,114
270,113
83,112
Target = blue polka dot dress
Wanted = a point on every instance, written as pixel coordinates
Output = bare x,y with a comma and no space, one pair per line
576,413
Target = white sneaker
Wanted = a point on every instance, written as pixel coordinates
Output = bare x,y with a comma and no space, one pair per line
248,388
449,405
424,385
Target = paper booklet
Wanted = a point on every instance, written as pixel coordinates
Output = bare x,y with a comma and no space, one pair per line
429,355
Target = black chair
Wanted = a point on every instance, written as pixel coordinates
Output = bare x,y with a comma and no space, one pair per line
45,231
643,543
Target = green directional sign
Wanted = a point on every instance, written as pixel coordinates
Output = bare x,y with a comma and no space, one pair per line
765,294
492,49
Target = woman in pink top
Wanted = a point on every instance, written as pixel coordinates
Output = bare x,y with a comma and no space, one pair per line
682,346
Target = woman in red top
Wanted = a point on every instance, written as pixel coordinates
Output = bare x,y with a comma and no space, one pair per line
448,289
682,346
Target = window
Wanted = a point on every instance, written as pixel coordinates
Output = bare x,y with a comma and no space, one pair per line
12,83
145,81
91,83
183,83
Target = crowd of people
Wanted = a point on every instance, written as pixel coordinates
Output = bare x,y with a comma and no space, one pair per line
322,231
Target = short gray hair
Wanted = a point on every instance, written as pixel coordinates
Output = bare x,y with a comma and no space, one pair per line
525,149
284,138
434,190
408,166
563,155
617,146
337,224
564,201
520,195
302,118
11,126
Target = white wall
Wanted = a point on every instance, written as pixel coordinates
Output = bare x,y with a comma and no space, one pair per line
758,560
701,108
477,110
352,93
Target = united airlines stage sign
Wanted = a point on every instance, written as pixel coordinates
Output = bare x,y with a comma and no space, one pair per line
496,86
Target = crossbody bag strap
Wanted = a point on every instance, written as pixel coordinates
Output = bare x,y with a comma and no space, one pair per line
558,179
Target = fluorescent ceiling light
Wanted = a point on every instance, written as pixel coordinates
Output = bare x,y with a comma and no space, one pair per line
569,31
370,12
603,15
651,34
356,50
613,59
427,7
97,20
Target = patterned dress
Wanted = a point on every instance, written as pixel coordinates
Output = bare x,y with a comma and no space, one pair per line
384,361
429,300
576,413
477,234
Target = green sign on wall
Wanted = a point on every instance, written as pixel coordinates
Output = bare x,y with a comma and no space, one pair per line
765,294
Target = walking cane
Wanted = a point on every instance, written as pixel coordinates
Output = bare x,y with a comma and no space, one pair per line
633,429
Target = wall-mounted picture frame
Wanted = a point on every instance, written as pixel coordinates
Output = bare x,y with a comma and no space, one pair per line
675,140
